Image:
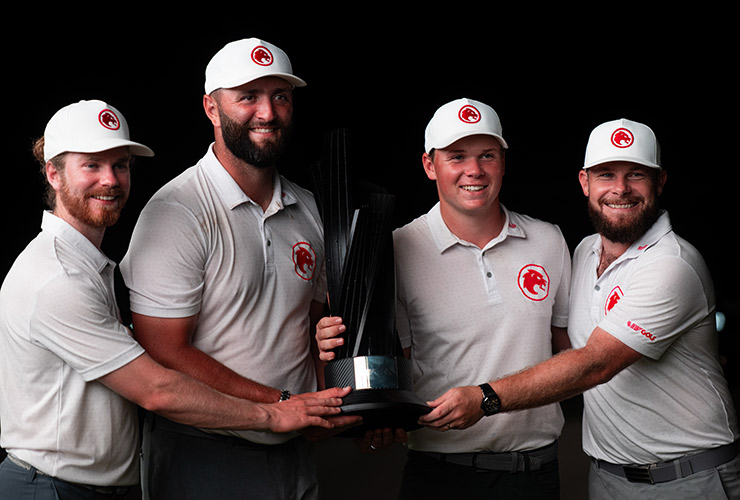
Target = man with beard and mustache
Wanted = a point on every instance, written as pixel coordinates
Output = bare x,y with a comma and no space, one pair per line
659,421
226,274
72,374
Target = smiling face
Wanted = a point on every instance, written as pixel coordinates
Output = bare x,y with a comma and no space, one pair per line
622,198
468,173
254,119
92,188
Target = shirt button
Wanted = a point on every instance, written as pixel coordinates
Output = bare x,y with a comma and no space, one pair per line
489,274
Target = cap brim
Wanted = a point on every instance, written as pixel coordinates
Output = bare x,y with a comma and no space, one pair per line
454,138
136,148
629,159
292,79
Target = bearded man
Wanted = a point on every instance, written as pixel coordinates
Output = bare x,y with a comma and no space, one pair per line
659,421
72,374
215,293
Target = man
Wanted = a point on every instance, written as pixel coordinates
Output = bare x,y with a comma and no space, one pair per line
225,271
69,369
482,292
659,421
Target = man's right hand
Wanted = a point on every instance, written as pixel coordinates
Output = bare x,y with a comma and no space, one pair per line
327,331
310,410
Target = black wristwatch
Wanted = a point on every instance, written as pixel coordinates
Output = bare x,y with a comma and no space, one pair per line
284,395
491,403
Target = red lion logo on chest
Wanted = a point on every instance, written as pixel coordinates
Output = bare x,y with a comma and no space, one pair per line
534,282
304,259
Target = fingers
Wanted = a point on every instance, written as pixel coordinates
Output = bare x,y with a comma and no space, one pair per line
327,331
378,439
330,426
334,393
458,408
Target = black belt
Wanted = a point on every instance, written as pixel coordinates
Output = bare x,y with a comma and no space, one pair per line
662,472
512,461
114,492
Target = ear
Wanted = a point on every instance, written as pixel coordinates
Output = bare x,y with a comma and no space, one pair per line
53,176
428,163
662,177
210,106
583,179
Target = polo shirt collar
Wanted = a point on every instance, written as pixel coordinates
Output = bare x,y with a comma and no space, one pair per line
444,238
61,229
233,196
660,228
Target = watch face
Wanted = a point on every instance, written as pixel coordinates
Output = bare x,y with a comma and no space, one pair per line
490,405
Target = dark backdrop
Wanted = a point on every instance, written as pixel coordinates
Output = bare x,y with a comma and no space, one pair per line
551,76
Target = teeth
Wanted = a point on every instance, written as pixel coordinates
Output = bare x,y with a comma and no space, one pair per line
627,205
105,198
473,188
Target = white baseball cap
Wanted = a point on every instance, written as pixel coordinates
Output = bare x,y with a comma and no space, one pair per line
88,127
622,140
461,118
243,61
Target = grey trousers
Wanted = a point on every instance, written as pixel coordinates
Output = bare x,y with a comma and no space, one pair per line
183,463
720,483
17,483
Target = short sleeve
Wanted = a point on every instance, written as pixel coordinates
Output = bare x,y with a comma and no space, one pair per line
164,267
72,318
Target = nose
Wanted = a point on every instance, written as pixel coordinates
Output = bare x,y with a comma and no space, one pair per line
264,110
622,185
108,176
473,168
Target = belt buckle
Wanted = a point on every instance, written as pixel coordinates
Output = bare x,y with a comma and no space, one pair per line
639,473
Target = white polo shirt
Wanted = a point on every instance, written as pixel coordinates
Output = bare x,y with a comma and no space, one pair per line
60,330
201,246
658,299
471,315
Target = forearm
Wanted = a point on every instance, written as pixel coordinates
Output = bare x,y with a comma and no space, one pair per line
183,399
565,375
204,368
168,342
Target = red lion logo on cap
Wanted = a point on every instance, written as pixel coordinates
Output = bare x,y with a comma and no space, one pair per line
469,114
534,282
109,120
262,56
304,259
622,138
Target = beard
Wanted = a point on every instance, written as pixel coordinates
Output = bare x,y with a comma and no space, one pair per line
237,140
624,229
77,206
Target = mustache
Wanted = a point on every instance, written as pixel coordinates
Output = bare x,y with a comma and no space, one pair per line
114,191
621,200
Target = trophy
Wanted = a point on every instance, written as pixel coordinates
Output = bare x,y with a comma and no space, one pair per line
357,219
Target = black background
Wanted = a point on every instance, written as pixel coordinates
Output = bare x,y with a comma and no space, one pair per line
552,75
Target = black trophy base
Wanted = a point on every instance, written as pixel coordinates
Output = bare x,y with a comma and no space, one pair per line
381,392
